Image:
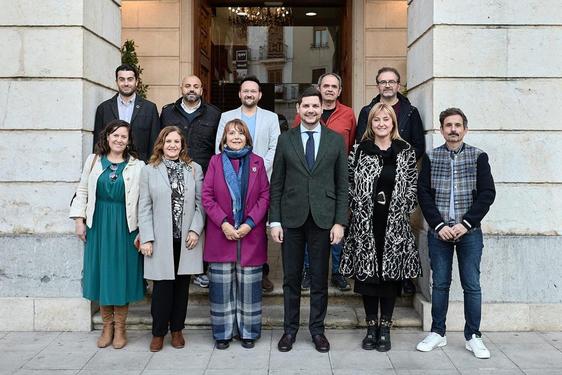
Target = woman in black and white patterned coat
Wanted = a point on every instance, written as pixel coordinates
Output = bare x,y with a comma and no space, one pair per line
379,249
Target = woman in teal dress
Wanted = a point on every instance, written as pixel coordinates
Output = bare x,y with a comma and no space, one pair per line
105,215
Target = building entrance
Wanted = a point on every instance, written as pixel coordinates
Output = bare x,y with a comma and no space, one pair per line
287,47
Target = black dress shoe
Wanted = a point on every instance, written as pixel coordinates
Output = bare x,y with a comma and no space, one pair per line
247,343
222,344
321,343
286,342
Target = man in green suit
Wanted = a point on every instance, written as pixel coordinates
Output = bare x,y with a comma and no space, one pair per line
308,204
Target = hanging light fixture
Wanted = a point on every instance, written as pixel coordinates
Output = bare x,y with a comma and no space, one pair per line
260,16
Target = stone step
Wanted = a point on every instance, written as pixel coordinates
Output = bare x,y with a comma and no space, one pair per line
339,315
198,295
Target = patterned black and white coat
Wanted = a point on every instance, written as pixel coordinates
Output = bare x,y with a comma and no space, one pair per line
400,258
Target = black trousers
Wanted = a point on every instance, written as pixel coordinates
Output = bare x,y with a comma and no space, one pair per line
294,240
372,303
169,300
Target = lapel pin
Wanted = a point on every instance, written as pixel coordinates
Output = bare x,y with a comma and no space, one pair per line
254,169
138,106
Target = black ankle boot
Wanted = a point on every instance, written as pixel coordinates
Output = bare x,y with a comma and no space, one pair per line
383,344
372,337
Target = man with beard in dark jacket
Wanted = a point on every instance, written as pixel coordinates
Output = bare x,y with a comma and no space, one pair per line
198,120
410,125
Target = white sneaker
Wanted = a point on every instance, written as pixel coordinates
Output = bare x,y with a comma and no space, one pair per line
476,346
432,341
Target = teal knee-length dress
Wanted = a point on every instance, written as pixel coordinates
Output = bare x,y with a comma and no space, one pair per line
113,268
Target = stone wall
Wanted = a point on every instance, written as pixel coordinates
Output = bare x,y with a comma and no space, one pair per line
498,62
57,65
162,31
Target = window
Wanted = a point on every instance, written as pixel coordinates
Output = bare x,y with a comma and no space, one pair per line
316,73
320,37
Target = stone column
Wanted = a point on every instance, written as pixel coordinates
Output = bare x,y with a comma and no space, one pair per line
58,61
499,62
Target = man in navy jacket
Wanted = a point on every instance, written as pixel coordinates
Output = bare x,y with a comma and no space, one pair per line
455,191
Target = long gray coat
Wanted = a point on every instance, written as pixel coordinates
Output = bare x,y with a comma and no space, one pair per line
155,221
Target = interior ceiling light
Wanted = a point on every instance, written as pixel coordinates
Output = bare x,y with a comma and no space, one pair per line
311,14
260,16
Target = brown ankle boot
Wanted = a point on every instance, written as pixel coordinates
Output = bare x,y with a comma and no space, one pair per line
107,334
178,341
156,343
120,334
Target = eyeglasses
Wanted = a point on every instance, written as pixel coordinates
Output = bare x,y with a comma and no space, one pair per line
389,83
113,175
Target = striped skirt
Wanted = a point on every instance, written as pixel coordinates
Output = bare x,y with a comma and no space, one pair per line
235,296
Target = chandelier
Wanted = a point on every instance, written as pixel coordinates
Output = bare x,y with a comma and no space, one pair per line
260,16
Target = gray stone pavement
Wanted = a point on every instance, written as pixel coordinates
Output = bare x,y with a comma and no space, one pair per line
34,353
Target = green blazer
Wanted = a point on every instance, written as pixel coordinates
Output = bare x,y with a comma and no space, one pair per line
295,191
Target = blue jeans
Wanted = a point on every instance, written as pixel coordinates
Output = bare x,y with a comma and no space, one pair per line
469,252
336,257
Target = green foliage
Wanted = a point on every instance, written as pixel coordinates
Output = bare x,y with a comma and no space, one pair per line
129,56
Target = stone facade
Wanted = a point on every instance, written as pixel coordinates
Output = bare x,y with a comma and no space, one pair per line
495,61
58,65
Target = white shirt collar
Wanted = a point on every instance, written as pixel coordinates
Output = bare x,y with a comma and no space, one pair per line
128,101
190,109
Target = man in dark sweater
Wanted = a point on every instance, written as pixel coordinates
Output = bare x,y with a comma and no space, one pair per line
410,125
455,191
198,120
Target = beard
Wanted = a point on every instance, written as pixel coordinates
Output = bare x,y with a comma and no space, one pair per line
191,97
128,93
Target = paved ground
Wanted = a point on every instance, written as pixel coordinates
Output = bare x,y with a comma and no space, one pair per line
35,353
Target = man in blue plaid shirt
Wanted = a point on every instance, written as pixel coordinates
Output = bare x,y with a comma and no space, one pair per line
455,191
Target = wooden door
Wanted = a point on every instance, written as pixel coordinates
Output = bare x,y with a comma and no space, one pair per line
202,45
346,61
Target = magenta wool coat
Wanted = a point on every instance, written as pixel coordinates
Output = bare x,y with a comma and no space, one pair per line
217,203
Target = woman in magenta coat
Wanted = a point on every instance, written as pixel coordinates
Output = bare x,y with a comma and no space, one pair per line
235,197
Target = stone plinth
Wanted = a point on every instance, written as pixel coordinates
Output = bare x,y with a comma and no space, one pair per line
495,61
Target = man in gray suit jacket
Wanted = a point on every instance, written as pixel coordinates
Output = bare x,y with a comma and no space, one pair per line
264,129
263,124
308,205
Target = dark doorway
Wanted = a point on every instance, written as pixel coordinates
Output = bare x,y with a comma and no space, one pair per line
285,57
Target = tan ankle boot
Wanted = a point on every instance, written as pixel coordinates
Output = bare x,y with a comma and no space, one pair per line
107,334
120,334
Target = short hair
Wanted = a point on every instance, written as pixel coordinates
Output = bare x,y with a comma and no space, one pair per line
385,69
102,146
379,107
330,74
309,91
158,149
250,79
241,127
127,68
451,112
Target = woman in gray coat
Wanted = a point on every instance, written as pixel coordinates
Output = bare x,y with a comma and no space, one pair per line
171,221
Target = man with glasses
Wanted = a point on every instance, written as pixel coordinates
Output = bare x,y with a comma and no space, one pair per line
410,124
126,105
455,192
264,129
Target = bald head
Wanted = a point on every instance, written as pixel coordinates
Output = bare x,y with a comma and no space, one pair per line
191,90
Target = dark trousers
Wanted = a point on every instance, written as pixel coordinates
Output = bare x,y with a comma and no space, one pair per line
294,240
372,303
169,300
